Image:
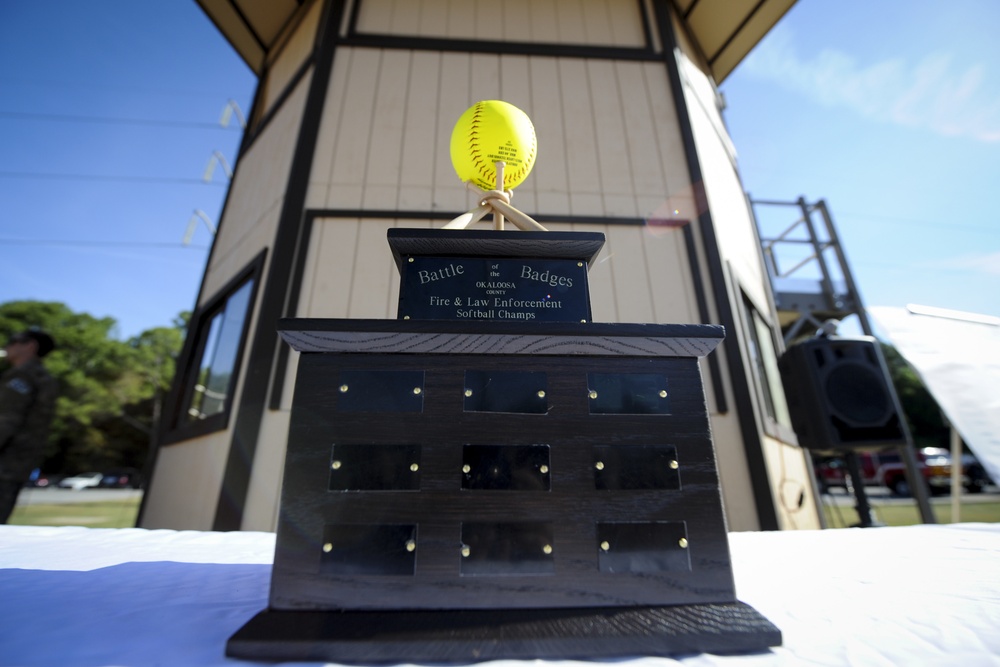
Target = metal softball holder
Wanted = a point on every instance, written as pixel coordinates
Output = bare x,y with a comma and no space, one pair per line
493,475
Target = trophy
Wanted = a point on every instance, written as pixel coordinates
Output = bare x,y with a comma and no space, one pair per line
494,475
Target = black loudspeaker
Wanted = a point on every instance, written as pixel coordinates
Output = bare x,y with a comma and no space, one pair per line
840,395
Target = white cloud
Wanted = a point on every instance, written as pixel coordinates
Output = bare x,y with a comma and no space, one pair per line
985,263
933,94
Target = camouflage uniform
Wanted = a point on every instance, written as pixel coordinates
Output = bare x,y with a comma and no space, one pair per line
27,401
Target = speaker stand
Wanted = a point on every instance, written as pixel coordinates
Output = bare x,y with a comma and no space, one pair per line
863,508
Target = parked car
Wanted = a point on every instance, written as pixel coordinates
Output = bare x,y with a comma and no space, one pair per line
979,479
885,468
86,480
122,478
41,480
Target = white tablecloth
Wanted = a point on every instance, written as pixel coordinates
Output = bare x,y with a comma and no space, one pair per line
920,595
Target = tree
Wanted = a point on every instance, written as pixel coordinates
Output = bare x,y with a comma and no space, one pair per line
923,415
107,387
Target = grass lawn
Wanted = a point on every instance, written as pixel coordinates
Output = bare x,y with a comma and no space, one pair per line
122,513
107,514
986,510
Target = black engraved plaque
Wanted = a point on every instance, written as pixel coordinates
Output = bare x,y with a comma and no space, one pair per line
628,394
369,549
381,391
643,547
505,467
489,288
645,467
507,548
375,468
506,391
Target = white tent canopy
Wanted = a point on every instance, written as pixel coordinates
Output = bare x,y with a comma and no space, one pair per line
958,357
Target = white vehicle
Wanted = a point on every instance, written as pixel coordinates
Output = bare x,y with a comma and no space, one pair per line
86,480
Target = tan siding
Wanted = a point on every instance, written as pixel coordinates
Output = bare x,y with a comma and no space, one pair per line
612,148
549,177
669,273
607,134
354,133
601,281
388,118
291,56
596,22
416,175
608,146
264,490
454,98
787,466
186,488
331,276
580,158
255,197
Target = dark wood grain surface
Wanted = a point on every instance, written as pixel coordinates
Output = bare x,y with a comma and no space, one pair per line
491,243
508,338
572,507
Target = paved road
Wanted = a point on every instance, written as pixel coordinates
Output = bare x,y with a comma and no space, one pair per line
64,496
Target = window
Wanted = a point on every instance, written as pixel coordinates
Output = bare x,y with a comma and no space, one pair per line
213,353
767,378
212,388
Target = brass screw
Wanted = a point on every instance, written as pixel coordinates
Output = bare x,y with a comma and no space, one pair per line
468,392
327,548
411,545
683,543
599,465
343,389
414,467
466,468
541,394
466,551
605,546
417,390
592,394
410,260
543,469
663,393
547,549
406,317
579,263
674,465
335,465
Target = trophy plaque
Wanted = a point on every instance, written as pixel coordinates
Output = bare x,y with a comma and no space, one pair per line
493,475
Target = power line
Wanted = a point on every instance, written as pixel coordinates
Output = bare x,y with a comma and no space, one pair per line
911,221
107,177
92,85
101,244
48,117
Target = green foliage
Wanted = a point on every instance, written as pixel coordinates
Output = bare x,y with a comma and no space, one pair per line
109,389
923,415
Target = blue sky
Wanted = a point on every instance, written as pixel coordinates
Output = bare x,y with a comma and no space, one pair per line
890,112
109,115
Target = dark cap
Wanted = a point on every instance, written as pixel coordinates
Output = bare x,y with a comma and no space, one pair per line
45,342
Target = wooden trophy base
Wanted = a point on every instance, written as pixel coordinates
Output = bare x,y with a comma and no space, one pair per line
494,634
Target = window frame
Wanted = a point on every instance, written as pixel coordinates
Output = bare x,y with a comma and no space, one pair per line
178,428
764,376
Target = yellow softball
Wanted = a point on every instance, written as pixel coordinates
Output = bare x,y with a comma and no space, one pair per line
488,132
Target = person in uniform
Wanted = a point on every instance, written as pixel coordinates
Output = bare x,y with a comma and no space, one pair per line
27,402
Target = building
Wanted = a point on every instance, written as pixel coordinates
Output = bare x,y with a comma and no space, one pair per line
348,136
